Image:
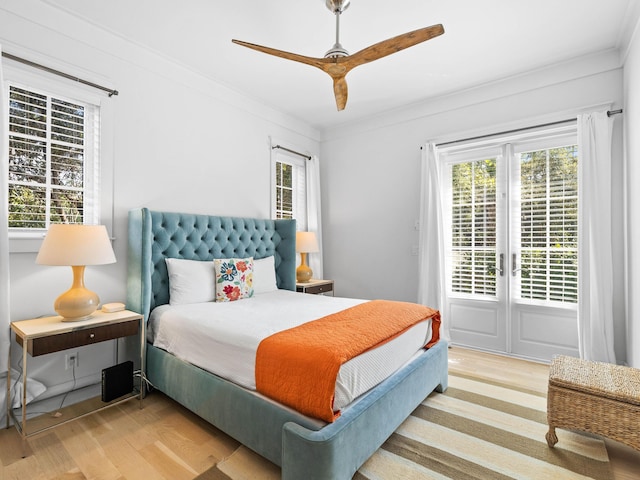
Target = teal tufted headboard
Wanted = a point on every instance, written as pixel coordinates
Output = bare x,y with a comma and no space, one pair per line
153,236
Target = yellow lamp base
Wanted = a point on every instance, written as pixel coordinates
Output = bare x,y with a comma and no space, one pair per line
303,272
77,303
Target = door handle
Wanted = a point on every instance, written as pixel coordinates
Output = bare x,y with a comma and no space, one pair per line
514,263
499,268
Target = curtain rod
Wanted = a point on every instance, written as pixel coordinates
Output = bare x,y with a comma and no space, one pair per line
110,91
550,124
308,157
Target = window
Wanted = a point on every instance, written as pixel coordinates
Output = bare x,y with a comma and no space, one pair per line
512,211
473,227
53,160
549,224
289,198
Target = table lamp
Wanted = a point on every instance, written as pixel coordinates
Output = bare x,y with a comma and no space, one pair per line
306,242
76,246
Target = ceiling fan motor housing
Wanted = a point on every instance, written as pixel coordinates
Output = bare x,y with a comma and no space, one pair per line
337,6
336,51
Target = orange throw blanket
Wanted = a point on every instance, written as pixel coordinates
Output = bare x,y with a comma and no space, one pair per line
299,367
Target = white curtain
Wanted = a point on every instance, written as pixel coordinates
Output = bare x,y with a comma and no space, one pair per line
4,239
595,262
314,223
431,279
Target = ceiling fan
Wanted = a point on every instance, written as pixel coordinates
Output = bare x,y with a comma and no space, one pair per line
337,62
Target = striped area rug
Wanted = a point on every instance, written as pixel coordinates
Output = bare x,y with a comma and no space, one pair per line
475,430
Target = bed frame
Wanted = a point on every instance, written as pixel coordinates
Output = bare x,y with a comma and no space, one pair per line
302,447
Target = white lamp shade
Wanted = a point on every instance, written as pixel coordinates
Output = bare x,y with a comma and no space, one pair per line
306,242
76,245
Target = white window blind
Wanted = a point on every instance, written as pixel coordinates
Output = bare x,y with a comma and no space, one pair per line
473,227
53,171
512,203
289,186
549,224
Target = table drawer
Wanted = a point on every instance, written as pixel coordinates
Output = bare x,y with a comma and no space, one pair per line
79,338
319,289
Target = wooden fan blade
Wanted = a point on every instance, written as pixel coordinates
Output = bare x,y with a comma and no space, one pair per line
316,62
392,45
338,68
333,67
340,91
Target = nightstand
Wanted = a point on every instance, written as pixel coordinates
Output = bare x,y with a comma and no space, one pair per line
44,335
315,286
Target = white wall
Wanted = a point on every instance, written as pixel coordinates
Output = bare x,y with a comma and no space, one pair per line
632,155
172,140
371,172
182,142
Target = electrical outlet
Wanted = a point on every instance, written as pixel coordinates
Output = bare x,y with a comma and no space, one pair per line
71,360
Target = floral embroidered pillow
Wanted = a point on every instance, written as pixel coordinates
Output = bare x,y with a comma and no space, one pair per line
234,278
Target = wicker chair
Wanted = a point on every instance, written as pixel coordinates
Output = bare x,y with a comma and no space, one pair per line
595,397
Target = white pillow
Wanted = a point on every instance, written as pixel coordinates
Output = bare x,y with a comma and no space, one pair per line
264,275
190,281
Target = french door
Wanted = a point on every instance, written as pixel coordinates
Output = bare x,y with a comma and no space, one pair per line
511,236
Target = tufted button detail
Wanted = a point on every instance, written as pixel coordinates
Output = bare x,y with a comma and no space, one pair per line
203,237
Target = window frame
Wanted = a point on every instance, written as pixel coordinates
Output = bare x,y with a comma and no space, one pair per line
503,148
484,284
299,187
558,143
98,170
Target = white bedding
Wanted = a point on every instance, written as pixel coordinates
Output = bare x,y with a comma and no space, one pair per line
223,337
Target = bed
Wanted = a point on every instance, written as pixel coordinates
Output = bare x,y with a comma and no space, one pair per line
302,446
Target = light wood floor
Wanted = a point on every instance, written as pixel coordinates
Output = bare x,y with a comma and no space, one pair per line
164,441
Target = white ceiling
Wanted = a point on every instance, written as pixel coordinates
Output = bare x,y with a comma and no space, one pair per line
484,41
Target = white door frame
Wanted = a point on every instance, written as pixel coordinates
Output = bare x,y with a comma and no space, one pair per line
505,323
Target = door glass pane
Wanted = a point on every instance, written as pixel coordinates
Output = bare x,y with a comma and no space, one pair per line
473,227
549,224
